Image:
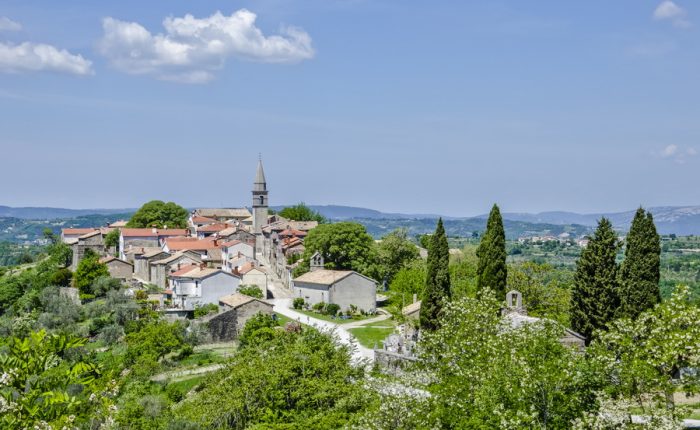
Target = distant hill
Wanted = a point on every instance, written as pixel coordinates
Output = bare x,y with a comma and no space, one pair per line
680,220
336,212
55,213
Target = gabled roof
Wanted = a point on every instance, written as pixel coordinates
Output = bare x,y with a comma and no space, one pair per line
176,256
323,276
201,220
248,267
181,244
194,271
154,252
212,228
77,231
237,299
111,258
223,212
90,234
118,224
140,250
153,232
233,243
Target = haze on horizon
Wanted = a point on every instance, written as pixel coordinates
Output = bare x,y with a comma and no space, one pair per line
394,106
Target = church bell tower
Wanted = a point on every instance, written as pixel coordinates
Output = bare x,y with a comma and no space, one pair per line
260,204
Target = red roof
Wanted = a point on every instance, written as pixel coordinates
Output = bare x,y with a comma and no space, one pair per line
202,220
153,232
230,243
292,232
213,228
181,244
78,231
184,270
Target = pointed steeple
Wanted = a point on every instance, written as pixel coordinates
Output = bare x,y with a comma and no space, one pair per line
260,184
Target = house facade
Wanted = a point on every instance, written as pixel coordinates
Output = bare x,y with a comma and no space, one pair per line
118,269
236,310
341,287
197,285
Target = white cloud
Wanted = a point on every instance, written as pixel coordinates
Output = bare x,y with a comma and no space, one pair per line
35,57
669,151
678,154
6,24
668,10
192,49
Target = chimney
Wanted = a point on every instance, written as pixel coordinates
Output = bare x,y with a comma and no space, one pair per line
154,230
178,268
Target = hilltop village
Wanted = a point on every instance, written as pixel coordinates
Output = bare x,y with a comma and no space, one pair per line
222,254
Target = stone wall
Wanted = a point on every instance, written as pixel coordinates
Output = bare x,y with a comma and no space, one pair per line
228,324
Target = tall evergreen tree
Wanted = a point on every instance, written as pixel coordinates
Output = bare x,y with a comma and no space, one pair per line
640,271
437,280
595,297
492,271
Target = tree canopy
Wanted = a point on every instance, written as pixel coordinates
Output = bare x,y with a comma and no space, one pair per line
595,297
301,212
640,271
89,270
159,214
394,252
492,271
437,280
343,245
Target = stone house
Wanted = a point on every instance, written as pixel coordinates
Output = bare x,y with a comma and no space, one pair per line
197,285
160,269
70,235
235,310
342,287
208,248
93,241
118,269
146,237
142,263
235,249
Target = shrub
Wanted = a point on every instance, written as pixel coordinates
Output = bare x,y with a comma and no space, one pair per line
62,278
204,310
258,329
332,309
251,290
298,303
319,307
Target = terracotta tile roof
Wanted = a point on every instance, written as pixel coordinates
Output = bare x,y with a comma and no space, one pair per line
213,228
90,234
201,220
247,267
181,244
153,232
173,257
184,270
230,243
77,231
109,259
292,232
140,250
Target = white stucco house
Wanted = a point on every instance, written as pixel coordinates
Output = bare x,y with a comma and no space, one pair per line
196,285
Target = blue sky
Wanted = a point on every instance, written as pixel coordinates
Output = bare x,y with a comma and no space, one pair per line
402,106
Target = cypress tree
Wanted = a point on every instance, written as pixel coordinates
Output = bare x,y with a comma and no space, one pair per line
595,296
437,280
640,271
491,270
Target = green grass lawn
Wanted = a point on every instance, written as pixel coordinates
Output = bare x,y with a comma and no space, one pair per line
333,319
372,335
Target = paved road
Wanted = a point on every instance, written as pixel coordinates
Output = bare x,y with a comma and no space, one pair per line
359,352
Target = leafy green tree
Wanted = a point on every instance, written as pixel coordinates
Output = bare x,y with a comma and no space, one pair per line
394,252
45,381
640,271
343,245
50,235
311,385
88,271
642,357
543,295
437,281
301,212
485,373
463,273
112,239
595,297
159,214
492,271
408,281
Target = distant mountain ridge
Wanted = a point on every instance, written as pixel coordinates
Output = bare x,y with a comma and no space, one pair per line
681,220
55,213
